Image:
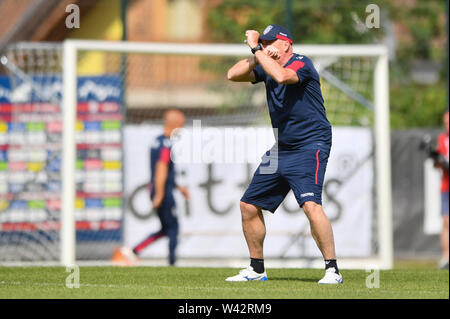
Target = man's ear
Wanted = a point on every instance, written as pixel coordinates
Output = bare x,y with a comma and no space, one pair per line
286,46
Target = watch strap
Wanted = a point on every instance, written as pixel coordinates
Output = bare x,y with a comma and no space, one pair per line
258,47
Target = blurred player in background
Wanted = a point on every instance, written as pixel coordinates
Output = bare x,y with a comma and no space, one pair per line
443,151
297,112
162,185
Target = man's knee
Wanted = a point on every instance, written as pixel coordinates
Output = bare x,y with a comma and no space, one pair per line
311,207
248,211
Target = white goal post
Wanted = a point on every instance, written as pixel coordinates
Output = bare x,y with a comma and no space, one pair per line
383,203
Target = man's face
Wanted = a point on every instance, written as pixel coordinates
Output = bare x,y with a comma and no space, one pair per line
275,43
266,43
279,44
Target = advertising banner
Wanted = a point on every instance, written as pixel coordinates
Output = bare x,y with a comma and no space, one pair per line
30,156
217,172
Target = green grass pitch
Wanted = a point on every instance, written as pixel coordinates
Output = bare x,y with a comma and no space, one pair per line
208,283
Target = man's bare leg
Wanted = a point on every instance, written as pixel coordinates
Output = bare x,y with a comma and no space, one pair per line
320,229
323,235
254,229
254,232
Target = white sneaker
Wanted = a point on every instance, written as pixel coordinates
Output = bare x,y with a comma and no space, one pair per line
331,277
248,274
129,254
443,264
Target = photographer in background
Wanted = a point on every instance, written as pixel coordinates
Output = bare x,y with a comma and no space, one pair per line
441,161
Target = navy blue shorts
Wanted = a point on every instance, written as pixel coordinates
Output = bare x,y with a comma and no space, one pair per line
302,170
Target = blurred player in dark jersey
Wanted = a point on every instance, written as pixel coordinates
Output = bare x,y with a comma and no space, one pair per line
162,186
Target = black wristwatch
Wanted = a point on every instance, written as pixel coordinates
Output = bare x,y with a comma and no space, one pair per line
258,47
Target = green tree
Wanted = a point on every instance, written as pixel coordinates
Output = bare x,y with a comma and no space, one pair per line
420,33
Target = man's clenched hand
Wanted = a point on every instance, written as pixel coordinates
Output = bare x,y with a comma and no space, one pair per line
272,51
252,38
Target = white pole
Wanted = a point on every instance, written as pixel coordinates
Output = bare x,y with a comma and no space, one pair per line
212,49
69,100
383,161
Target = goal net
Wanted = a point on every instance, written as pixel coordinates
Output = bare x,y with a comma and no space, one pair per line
79,118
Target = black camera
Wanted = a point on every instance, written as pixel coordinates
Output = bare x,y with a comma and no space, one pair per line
428,145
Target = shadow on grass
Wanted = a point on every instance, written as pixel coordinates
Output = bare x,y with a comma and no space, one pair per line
294,279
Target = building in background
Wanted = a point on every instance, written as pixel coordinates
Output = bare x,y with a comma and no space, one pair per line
134,20
147,20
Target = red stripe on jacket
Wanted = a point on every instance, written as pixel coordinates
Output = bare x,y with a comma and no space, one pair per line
164,156
296,65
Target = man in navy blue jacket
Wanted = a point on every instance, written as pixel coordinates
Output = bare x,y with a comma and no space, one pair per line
297,113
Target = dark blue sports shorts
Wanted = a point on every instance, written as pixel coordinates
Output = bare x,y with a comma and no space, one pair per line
301,170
